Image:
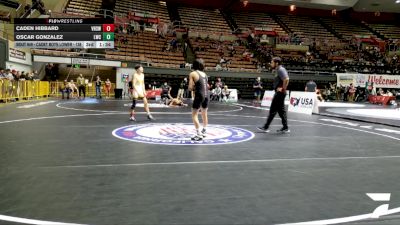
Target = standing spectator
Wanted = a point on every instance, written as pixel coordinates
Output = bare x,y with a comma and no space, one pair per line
352,92
182,88
108,87
65,89
74,89
258,87
81,86
311,86
98,87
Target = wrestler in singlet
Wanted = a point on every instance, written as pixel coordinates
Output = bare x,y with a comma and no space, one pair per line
139,92
198,83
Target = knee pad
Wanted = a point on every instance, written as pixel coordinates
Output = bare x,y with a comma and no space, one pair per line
133,104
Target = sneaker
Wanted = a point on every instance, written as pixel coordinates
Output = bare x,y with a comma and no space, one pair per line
283,130
204,133
150,117
263,129
132,118
197,137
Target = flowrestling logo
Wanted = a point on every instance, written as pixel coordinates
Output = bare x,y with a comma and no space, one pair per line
180,134
302,102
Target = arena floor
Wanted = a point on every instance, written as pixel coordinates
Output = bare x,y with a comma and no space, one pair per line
83,162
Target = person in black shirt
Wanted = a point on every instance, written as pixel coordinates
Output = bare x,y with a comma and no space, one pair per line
165,93
258,86
198,83
281,82
182,88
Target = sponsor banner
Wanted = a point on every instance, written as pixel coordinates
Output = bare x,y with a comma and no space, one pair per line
180,134
233,96
80,61
14,53
380,81
303,102
267,98
123,76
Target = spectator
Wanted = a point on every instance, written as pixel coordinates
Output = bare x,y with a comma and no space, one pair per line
258,87
98,87
65,89
174,44
311,86
182,88
108,87
225,93
2,74
351,93
165,93
219,83
81,86
74,89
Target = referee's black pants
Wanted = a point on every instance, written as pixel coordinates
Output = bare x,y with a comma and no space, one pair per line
277,106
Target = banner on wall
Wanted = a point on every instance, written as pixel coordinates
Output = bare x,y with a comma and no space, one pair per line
233,95
303,102
380,81
14,53
123,76
267,98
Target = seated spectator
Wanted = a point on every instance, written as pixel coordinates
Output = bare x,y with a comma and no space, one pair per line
225,93
166,93
218,67
216,94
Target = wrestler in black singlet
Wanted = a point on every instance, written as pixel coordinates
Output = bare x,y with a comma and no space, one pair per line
201,96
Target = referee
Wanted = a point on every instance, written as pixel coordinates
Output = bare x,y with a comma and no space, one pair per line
281,82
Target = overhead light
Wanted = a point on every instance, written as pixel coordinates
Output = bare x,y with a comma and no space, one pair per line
247,2
397,1
292,8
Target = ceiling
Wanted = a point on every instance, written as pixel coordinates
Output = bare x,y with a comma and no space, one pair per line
377,5
357,5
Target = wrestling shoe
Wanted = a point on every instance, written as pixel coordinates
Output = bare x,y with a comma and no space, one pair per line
204,133
150,117
197,137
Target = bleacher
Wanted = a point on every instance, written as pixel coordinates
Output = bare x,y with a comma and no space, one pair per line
212,55
82,7
246,20
146,47
151,8
204,20
307,27
346,29
388,30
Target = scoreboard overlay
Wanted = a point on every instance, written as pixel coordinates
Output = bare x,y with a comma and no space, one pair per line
64,33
